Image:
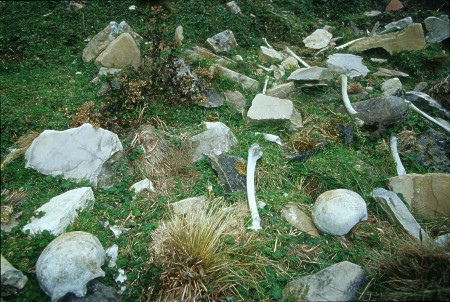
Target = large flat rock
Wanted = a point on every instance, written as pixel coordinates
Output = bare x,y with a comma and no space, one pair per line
348,64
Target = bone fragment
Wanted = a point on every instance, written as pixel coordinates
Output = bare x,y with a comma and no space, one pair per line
430,118
400,169
346,100
254,153
289,51
348,44
265,85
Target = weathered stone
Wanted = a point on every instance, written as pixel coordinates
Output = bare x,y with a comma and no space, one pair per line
77,153
278,71
298,219
222,42
178,37
269,55
411,38
394,5
348,64
103,71
245,81
419,98
336,212
197,53
398,213
267,108
290,63
231,171
68,263
12,279
311,74
112,253
421,86
384,72
236,100
320,38
213,99
372,13
96,292
189,204
443,241
61,211
234,8
428,194
143,185
397,25
120,53
283,91
376,60
339,282
217,139
438,29
392,86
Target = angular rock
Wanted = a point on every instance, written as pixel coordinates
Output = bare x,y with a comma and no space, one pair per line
77,153
96,292
438,29
236,100
213,99
298,219
348,64
394,5
245,81
338,282
61,211
271,109
397,25
290,63
269,55
68,263
234,8
336,212
283,91
411,38
428,194
198,53
12,279
112,252
392,86
311,74
222,42
189,204
320,38
398,213
217,139
278,71
120,53
143,185
231,171
420,97
384,72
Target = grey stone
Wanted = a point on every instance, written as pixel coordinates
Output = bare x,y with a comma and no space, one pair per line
336,212
107,71
236,100
384,72
431,150
68,263
421,97
320,38
245,81
12,279
348,64
339,282
398,213
269,55
311,74
278,71
217,139
443,241
283,91
234,8
77,153
197,53
438,29
61,211
392,86
231,171
372,13
421,86
143,185
298,219
290,63
189,204
96,292
120,53
376,60
222,42
397,25
213,99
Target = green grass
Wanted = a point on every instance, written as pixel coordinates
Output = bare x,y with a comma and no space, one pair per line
43,82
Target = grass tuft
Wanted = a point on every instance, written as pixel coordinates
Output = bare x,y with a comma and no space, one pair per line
21,146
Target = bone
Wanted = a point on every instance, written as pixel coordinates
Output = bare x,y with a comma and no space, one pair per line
254,153
289,51
400,169
265,85
346,100
348,44
430,118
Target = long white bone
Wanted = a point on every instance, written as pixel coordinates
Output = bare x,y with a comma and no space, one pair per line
289,51
254,153
400,169
430,118
346,100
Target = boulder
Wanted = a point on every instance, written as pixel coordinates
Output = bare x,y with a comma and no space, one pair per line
222,42
320,38
189,204
217,139
348,64
120,53
68,263
438,29
298,219
336,212
96,292
398,213
77,153
311,74
236,100
392,86
61,211
427,195
231,171
339,282
269,55
245,81
12,279
271,109
411,38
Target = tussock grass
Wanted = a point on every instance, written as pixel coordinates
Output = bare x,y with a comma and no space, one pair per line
21,146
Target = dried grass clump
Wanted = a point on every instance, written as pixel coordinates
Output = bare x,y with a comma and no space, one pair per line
413,272
87,113
202,258
11,199
20,147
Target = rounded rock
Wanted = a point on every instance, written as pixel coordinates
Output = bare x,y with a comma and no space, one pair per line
68,263
336,212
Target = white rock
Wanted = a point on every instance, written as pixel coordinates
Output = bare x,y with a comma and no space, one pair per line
189,204
61,211
13,280
112,252
377,60
318,39
68,263
234,8
77,153
132,7
217,139
121,278
349,64
336,212
117,230
269,55
142,185
392,86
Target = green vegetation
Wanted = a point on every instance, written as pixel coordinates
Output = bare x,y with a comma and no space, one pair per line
44,84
